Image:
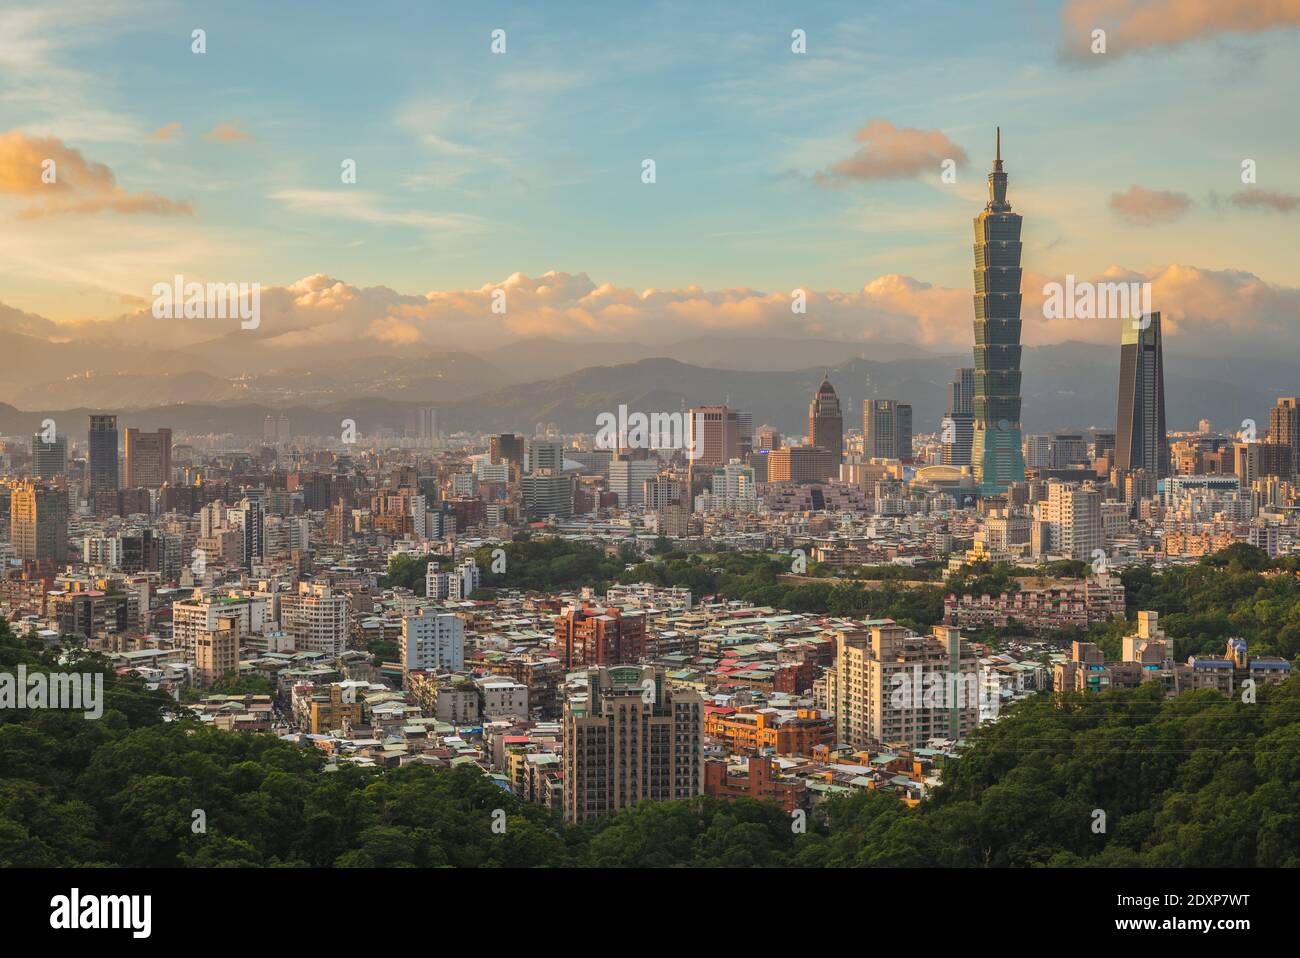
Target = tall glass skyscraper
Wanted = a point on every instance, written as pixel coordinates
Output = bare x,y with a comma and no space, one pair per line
1140,440
996,455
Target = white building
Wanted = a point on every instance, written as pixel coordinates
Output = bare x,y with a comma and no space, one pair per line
433,641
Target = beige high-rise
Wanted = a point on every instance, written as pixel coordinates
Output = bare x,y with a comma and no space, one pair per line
896,688
630,737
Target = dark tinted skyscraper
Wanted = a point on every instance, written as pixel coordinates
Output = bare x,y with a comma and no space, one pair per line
886,429
959,432
826,422
1284,427
996,455
103,463
1140,441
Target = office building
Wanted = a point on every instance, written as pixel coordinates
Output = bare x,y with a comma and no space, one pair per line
542,456
631,736
959,434
547,495
1284,428
148,458
627,479
826,423
886,429
103,471
38,522
715,436
996,454
49,459
507,448
801,464
1140,440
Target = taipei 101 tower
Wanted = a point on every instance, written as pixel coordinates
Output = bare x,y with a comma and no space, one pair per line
995,454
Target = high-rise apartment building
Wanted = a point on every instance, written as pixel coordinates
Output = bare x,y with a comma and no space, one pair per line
826,423
103,472
1071,520
38,522
896,688
216,651
432,641
996,454
249,520
1140,441
961,414
317,618
591,636
632,736
886,429
148,458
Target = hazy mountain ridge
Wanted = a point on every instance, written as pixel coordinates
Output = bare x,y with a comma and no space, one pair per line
1070,386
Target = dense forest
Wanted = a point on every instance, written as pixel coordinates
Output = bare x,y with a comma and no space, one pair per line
1124,778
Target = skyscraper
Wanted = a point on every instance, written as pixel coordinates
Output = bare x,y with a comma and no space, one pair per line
1284,427
961,413
996,454
826,422
103,464
49,459
38,522
1140,441
886,429
148,458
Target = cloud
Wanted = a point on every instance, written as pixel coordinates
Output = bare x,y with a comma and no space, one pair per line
1265,199
1145,207
352,204
78,186
169,131
227,133
891,152
1206,312
1132,25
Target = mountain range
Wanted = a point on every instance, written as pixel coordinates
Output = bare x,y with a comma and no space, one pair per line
513,387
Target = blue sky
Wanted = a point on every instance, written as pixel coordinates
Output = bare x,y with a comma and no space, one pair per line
474,166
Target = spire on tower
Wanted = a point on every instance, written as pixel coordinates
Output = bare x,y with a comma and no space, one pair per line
997,163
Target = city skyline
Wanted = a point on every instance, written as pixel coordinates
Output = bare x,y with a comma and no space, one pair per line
654,436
